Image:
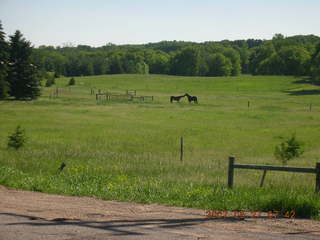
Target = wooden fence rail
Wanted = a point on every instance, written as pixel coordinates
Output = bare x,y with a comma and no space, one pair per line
232,166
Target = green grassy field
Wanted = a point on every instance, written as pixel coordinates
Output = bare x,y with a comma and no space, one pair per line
129,151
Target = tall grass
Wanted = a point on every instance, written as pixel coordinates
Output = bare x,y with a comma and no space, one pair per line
130,151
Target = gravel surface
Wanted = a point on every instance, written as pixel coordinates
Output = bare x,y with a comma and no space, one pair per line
32,215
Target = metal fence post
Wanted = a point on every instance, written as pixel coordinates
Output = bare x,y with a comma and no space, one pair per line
181,149
318,177
231,171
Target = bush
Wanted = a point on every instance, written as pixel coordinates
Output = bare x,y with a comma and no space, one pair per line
17,139
290,148
50,81
72,81
56,75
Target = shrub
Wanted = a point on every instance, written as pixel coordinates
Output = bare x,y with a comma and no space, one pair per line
72,81
17,139
50,81
290,148
56,75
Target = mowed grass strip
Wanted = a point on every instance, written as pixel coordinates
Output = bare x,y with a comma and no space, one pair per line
129,151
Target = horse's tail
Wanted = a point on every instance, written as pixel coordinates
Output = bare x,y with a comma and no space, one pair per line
171,99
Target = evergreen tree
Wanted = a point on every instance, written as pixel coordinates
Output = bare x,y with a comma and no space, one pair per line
4,86
23,77
72,82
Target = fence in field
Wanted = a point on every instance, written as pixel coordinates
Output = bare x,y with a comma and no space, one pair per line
142,98
232,166
54,93
130,95
131,92
94,91
57,92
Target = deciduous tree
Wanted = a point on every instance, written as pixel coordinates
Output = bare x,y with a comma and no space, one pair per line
219,65
186,62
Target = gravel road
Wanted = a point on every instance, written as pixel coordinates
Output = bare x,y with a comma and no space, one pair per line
32,215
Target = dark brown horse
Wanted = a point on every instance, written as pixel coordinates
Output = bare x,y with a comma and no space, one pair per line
176,98
191,98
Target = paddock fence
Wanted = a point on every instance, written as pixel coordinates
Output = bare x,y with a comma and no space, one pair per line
265,168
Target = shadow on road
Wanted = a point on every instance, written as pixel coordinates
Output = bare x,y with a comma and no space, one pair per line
117,227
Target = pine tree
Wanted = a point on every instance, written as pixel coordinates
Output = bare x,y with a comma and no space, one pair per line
23,77
4,86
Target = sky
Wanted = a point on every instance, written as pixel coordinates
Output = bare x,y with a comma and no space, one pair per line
98,22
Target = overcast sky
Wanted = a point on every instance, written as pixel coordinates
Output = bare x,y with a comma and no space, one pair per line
97,22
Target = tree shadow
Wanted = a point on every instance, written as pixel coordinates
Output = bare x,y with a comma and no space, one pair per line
307,80
304,92
116,227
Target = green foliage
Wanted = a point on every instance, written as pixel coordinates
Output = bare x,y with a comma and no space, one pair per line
17,139
142,68
272,65
295,60
258,55
244,59
50,81
281,55
72,82
234,57
218,65
315,64
186,62
4,88
4,85
23,75
290,148
157,61
285,56
278,36
301,206
49,78
56,75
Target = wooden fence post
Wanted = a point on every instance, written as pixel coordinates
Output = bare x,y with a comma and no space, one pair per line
231,171
263,177
318,177
181,149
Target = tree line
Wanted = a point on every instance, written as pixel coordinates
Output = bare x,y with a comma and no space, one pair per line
21,65
296,55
